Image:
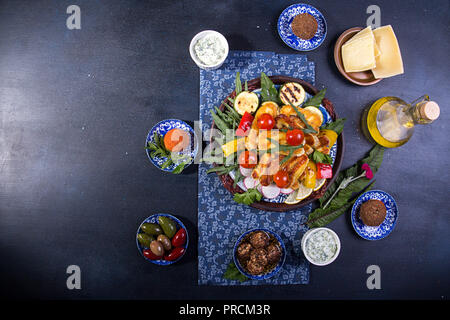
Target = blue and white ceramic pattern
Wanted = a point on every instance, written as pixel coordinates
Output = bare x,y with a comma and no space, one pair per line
221,220
285,30
268,275
162,128
154,219
375,233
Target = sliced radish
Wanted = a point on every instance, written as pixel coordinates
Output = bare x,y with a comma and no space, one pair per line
249,182
287,190
246,172
271,191
259,188
241,185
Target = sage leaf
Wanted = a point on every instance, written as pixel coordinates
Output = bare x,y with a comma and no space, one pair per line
233,273
316,100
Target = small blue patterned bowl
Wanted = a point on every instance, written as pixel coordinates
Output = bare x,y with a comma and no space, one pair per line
154,219
381,231
265,275
285,30
162,128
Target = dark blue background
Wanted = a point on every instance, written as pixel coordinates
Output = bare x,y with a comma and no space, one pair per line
76,106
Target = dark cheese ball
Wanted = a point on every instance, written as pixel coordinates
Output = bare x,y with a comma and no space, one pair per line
243,251
372,212
259,256
254,267
259,239
273,253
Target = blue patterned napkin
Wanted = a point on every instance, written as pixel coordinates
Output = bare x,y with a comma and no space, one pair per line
221,220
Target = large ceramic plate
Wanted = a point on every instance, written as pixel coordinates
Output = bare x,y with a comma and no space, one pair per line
227,180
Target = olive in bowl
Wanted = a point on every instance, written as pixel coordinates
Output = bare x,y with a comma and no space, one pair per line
259,254
162,239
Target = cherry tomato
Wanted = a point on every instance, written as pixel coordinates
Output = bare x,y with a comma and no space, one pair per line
179,238
295,137
150,255
248,159
175,254
266,122
281,179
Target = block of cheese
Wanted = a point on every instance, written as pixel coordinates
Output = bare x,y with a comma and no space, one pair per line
376,49
359,54
365,32
389,63
361,34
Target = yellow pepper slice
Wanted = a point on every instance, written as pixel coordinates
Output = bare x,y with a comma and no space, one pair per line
310,179
331,135
232,146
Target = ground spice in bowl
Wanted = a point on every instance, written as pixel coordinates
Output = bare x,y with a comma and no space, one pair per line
304,26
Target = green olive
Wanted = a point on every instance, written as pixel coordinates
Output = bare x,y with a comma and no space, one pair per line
157,248
168,225
165,242
152,229
145,239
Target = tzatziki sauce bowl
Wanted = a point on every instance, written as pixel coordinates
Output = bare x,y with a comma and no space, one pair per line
209,49
321,246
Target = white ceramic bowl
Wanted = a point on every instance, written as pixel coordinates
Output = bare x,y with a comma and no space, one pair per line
311,232
194,56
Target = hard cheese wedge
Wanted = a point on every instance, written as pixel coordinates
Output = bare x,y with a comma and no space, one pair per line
389,63
363,33
359,54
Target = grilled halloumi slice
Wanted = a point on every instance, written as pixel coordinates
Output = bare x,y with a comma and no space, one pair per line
268,165
251,140
318,142
295,167
265,137
283,121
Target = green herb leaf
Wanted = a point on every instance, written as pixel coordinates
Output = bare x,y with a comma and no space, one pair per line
179,168
238,84
319,157
238,177
337,126
308,129
167,163
246,86
219,122
374,160
232,273
321,217
316,100
248,197
222,169
268,90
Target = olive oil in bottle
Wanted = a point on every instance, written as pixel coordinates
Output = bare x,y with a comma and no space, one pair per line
390,121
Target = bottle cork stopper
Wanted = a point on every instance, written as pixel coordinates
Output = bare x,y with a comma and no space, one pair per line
430,110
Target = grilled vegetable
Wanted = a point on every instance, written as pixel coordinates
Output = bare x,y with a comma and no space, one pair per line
246,102
233,146
269,107
324,171
310,177
245,125
292,93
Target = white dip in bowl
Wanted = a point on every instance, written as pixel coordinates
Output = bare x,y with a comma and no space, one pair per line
209,49
321,246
